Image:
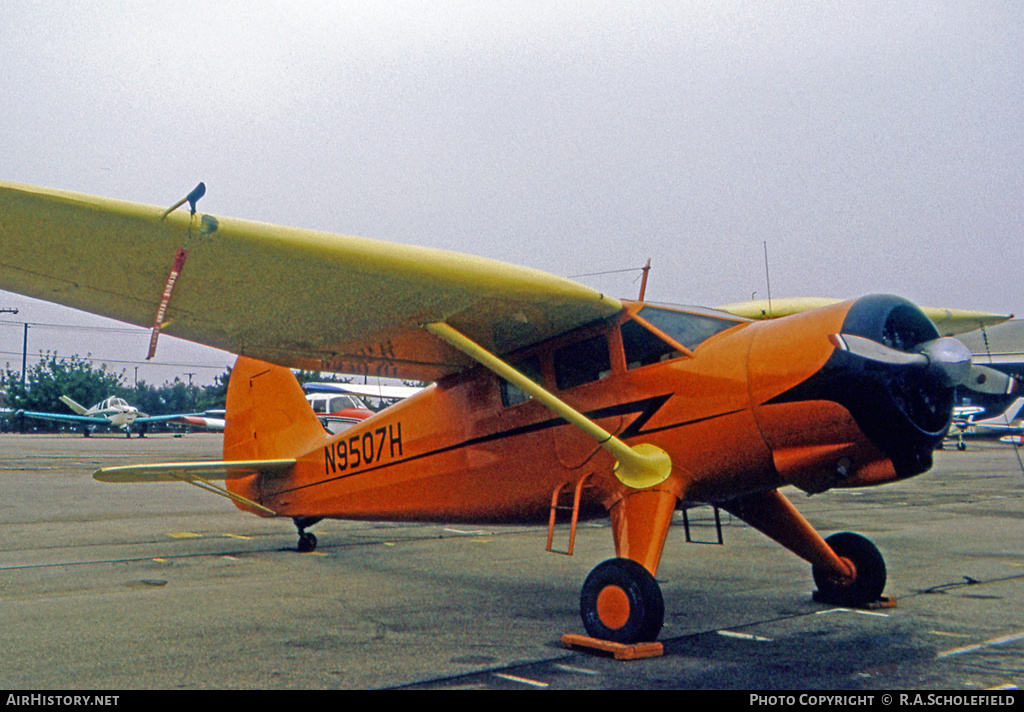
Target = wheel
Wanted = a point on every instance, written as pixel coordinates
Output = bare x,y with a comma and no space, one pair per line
869,581
621,602
307,542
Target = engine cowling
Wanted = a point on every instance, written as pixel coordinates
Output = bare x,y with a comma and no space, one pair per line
839,418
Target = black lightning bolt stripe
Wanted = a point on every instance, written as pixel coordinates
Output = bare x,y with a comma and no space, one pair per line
646,408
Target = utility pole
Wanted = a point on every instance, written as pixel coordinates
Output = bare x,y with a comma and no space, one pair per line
15,311
24,355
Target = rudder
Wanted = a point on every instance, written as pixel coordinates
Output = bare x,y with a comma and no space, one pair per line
267,415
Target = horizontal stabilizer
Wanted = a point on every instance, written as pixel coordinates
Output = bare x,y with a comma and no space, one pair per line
179,471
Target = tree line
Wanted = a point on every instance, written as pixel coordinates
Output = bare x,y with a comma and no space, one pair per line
76,377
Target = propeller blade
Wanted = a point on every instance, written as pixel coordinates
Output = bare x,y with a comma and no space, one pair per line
988,380
874,351
945,357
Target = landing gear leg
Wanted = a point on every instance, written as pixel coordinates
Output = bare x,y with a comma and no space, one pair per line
847,568
621,602
307,540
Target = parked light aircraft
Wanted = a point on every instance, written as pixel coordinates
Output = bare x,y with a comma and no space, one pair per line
339,406
210,419
111,412
1007,426
546,393
382,392
337,411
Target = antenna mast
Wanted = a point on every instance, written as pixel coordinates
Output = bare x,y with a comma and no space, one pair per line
643,281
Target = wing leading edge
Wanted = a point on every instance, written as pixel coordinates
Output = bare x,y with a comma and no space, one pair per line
296,297
949,322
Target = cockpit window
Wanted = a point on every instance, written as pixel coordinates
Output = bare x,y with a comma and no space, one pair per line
687,328
643,347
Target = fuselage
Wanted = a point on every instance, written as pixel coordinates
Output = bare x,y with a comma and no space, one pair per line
739,406
116,410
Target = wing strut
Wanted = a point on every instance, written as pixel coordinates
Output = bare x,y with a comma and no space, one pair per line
640,466
204,484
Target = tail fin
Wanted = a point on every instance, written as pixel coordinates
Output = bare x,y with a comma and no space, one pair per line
1015,413
74,406
268,416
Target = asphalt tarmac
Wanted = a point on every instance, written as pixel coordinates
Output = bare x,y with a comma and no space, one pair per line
163,586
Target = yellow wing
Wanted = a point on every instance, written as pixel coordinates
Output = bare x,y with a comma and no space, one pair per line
295,297
948,321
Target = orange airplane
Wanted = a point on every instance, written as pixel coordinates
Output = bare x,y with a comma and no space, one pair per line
546,394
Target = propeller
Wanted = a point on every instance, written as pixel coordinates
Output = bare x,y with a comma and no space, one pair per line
946,358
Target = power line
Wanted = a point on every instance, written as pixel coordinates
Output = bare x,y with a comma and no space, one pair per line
97,359
128,330
76,327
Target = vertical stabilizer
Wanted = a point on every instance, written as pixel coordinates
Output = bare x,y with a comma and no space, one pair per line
81,410
268,416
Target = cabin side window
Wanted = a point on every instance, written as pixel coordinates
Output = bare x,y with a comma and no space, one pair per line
513,395
582,362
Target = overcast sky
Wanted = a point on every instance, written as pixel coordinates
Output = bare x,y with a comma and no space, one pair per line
874,146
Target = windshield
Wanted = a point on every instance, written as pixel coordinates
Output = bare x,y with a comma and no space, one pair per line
687,328
339,403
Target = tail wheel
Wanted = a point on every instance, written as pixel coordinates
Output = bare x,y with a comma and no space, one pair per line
621,602
868,581
307,542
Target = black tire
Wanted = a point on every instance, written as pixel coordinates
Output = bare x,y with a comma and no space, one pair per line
631,605
869,583
307,542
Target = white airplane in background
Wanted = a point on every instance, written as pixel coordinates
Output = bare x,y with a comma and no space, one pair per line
339,407
112,412
1007,426
390,393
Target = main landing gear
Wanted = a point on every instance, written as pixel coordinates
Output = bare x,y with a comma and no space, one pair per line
621,602
868,581
307,540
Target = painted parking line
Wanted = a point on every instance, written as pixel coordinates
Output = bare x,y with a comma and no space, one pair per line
523,680
980,646
574,669
743,636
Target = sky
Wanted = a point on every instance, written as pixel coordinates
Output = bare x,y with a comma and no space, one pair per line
864,146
